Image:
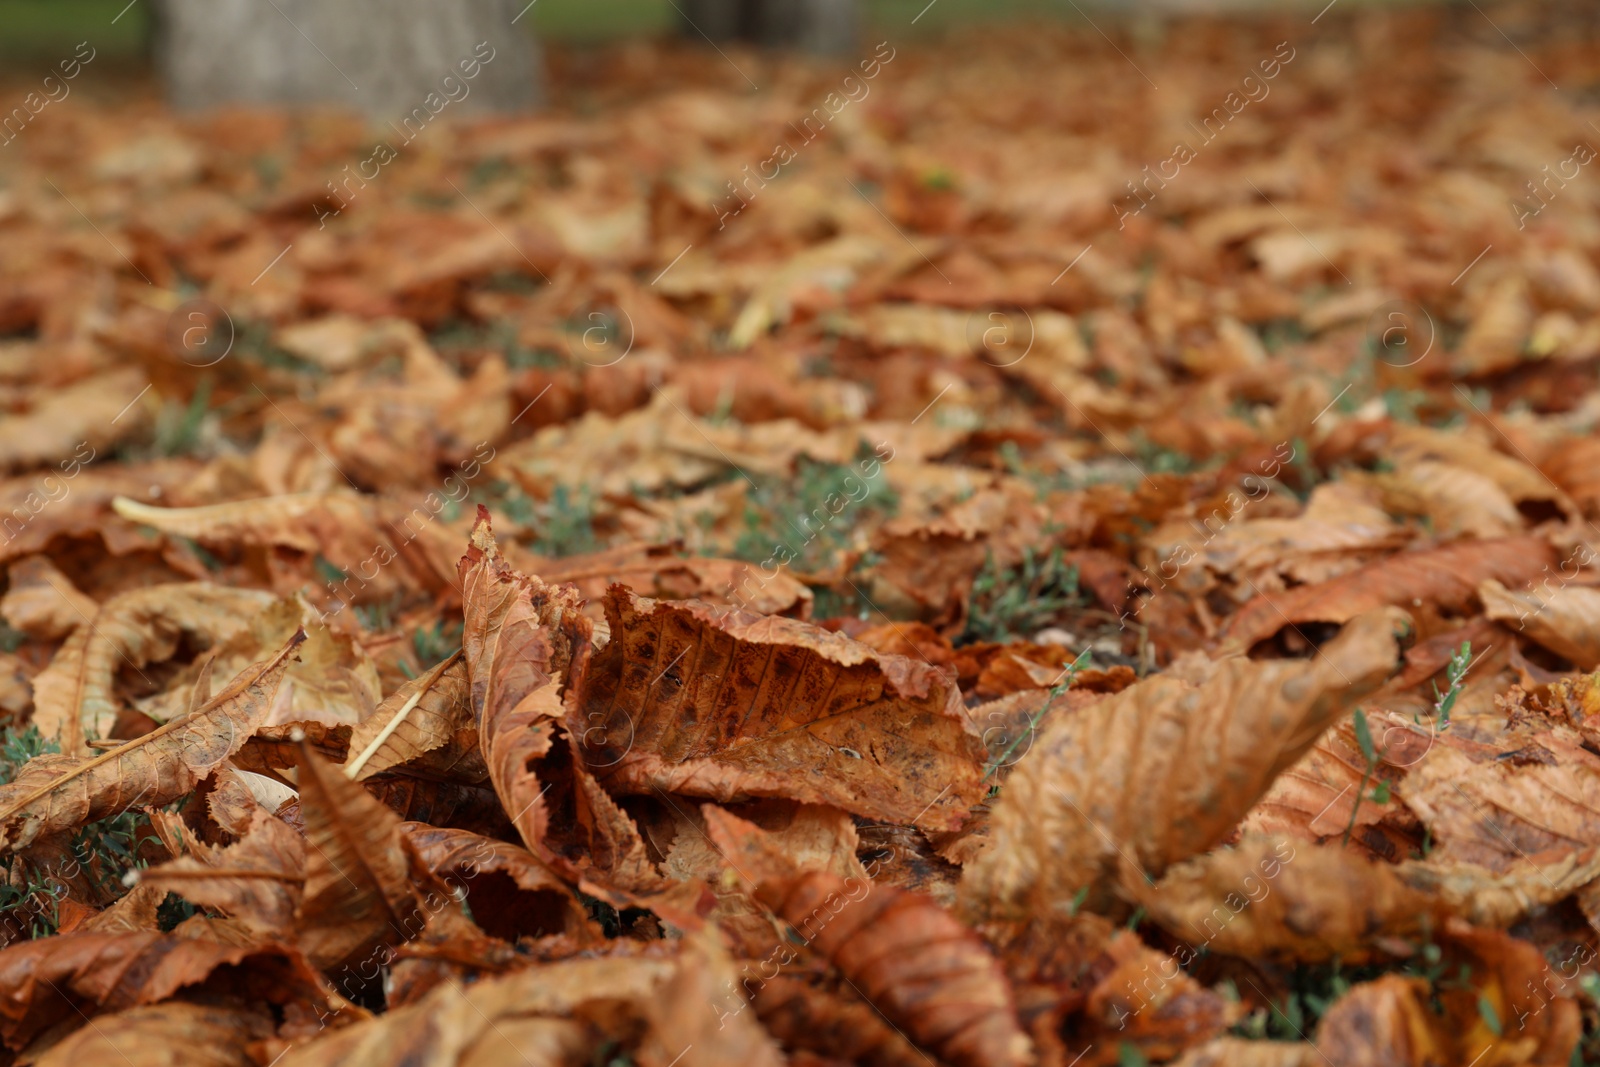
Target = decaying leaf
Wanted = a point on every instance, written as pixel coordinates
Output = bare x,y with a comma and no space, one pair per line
688,699
1273,897
549,1014
257,881
147,1036
909,957
1499,813
1511,1007
1563,618
357,889
55,793
509,892
75,695
519,636
52,980
1447,578
42,602
421,718
1162,770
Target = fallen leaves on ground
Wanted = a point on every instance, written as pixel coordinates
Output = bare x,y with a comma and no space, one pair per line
977,599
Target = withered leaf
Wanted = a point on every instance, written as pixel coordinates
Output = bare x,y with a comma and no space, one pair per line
519,634
42,602
831,1024
357,889
509,891
74,696
333,681
1562,618
1499,813
150,1037
1273,897
54,793
258,880
53,979
911,959
1446,577
426,715
1234,1052
1510,1007
347,528
689,699
545,1015
1162,770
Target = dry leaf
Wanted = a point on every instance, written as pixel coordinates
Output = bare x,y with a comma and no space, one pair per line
357,890
149,1036
76,701
911,959
1447,578
1273,897
791,711
42,602
1564,619
56,979
421,718
1162,770
1508,1009
55,793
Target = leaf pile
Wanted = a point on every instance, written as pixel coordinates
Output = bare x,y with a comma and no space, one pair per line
1006,591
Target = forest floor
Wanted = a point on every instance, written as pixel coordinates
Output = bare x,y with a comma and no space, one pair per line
1038,546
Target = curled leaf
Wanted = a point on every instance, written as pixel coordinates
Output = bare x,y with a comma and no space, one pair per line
74,696
73,975
55,793
1447,577
1162,770
148,1037
911,959
689,699
419,719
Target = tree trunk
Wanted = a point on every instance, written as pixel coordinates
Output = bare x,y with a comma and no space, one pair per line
388,58
822,27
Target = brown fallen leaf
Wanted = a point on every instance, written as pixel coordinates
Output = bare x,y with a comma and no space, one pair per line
55,793
835,1025
1565,619
356,533
149,1036
911,959
1162,770
1447,578
1508,1009
1235,1052
257,881
358,893
334,681
1328,791
42,602
1273,897
1499,813
509,892
658,571
75,975
74,695
426,722
519,636
62,422
1498,899
552,1014
688,699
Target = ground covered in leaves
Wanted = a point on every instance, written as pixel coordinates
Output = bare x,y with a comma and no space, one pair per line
1051,549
